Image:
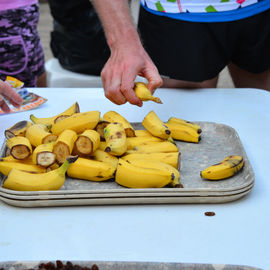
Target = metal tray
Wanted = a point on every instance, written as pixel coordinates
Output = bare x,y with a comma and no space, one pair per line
218,141
102,265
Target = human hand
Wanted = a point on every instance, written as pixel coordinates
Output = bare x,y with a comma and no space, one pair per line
7,92
119,73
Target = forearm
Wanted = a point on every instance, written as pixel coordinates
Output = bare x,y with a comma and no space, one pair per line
117,22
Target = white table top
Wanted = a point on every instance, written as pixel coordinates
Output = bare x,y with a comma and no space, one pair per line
237,234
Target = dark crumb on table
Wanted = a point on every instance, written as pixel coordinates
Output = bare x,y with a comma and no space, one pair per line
209,214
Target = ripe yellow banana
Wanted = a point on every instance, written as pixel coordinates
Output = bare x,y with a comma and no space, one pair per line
43,155
93,170
116,140
7,166
87,143
100,128
183,133
158,147
38,134
51,120
103,156
10,158
79,122
25,181
224,169
144,94
154,164
196,127
155,126
20,147
172,158
132,176
64,145
142,133
112,116
135,141
102,146
18,129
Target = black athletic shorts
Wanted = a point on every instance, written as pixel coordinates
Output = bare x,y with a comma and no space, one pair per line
196,52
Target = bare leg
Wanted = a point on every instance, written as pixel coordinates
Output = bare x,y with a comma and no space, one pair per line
171,83
245,79
42,80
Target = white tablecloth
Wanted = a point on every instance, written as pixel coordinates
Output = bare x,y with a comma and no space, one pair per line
237,234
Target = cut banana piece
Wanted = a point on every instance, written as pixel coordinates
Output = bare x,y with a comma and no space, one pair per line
20,147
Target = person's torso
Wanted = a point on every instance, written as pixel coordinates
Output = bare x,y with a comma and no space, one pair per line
12,4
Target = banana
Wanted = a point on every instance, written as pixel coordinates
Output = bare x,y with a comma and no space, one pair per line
100,128
64,145
7,166
154,164
51,120
20,147
102,146
183,133
112,116
196,127
116,140
144,94
18,129
10,158
43,155
155,126
142,133
158,147
79,122
135,141
93,170
132,176
172,158
39,134
224,169
25,181
87,142
100,155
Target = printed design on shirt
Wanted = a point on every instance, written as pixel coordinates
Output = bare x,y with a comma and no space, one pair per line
196,6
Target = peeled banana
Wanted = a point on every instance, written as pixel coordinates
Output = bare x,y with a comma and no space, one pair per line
155,126
224,169
26,181
133,176
51,120
144,94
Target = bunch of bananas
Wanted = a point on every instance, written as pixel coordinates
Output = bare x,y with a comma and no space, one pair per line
84,145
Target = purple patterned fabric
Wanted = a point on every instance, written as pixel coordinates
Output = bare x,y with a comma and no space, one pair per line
21,53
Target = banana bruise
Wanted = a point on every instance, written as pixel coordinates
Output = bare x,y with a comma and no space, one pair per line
18,129
158,147
112,116
155,126
196,127
172,158
51,120
43,155
228,167
20,147
78,122
87,143
7,166
132,176
143,93
64,145
103,156
26,181
38,134
116,140
154,164
92,170
183,133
